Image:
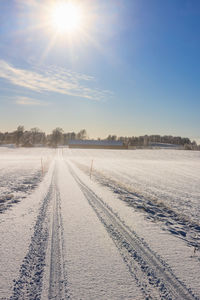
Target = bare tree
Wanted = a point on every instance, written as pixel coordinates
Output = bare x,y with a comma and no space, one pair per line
18,134
56,137
82,134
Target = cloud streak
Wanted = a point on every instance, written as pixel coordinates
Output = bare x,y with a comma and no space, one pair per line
52,80
27,101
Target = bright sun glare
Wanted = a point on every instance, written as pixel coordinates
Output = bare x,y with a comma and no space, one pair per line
66,17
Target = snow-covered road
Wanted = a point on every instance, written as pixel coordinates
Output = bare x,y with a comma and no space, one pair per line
73,238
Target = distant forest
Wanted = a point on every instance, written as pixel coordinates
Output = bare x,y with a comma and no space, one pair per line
35,137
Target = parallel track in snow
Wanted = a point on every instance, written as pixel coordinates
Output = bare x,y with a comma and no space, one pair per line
58,279
175,222
47,230
155,278
29,283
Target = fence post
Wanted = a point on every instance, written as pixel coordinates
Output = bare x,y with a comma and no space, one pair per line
42,168
91,169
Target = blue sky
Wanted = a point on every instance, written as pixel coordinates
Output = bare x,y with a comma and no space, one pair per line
133,69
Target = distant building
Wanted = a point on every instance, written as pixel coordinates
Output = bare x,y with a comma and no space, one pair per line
96,144
165,146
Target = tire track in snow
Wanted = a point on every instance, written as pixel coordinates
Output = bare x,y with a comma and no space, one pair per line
174,222
29,284
151,273
58,278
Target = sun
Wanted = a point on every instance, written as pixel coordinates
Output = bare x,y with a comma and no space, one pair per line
66,17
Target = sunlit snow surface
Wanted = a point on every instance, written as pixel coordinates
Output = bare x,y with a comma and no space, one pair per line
20,199
20,172
156,193
171,177
160,199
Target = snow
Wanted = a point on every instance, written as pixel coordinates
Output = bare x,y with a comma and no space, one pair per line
61,228
20,172
168,176
169,179
16,230
95,268
174,251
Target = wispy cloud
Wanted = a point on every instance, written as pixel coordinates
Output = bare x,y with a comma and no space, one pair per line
52,80
27,101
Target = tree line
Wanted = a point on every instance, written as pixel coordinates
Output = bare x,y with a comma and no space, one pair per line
35,137
153,140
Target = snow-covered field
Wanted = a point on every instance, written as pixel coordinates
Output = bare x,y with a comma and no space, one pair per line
99,224
20,172
168,176
162,183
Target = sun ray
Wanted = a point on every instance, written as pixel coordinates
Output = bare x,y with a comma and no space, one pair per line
48,48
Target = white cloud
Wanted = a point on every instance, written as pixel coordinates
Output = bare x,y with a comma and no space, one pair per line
29,101
52,80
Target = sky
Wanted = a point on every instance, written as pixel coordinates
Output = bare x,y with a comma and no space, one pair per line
131,67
